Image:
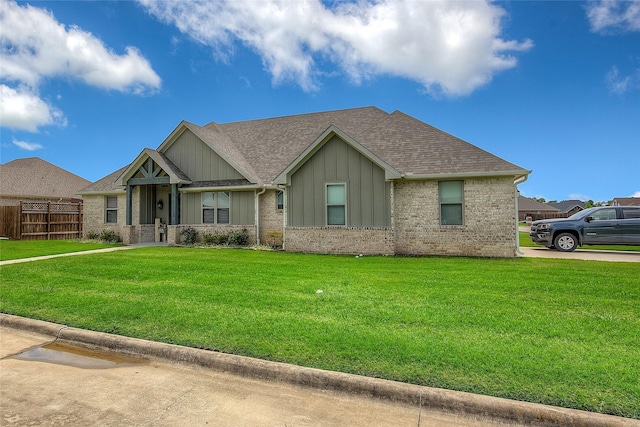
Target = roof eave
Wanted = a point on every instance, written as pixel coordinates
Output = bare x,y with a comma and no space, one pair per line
486,174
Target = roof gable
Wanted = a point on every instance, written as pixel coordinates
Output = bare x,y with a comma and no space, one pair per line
217,141
153,165
330,132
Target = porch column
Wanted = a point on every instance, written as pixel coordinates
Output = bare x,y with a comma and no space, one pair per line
129,203
174,204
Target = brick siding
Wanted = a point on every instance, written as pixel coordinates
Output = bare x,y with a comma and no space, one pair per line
271,219
489,219
339,240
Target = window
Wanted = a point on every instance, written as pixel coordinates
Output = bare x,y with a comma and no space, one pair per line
111,210
629,213
604,215
280,200
215,208
336,204
450,193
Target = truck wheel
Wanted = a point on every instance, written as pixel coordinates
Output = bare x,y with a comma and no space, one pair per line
565,242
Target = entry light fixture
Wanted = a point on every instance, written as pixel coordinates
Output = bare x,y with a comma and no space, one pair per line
160,205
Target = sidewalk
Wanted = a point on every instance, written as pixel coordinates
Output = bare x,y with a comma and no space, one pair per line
174,385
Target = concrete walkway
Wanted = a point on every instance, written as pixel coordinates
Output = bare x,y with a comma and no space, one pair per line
173,385
95,251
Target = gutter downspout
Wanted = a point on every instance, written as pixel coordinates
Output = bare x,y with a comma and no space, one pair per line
519,180
284,212
257,219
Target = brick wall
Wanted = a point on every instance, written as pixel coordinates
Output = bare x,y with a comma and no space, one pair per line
339,240
489,219
270,217
94,216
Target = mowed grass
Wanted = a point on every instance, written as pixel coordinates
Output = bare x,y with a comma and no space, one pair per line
558,332
16,249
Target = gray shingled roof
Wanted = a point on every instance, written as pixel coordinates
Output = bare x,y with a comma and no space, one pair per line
262,149
34,177
566,206
108,184
527,204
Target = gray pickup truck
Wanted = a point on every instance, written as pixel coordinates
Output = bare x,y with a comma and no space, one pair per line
607,225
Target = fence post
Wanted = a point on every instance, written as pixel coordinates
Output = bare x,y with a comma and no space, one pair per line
48,220
20,222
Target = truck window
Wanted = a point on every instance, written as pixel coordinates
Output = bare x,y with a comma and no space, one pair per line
604,214
630,213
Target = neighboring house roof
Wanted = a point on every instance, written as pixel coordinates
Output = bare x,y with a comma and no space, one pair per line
37,178
530,205
263,150
626,201
566,206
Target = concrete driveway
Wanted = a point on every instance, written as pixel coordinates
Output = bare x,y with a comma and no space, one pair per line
582,254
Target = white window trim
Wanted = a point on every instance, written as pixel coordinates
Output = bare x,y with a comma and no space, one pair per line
215,207
107,209
326,204
277,204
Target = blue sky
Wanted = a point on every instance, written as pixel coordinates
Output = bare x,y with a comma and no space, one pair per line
551,86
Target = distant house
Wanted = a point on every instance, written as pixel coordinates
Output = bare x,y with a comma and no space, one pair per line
568,207
34,179
532,208
626,201
350,181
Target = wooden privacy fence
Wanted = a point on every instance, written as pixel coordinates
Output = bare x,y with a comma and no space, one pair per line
10,222
50,221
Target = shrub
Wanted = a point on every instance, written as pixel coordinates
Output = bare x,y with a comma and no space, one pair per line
92,235
239,238
215,238
110,236
274,238
189,235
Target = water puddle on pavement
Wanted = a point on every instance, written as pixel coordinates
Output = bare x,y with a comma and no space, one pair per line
64,354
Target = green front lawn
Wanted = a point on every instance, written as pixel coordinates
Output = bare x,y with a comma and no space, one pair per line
559,332
16,249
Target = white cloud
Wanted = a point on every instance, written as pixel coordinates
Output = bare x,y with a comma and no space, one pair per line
613,15
448,46
616,83
620,84
35,46
636,194
22,109
29,146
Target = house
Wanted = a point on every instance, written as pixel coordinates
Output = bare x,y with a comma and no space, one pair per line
529,208
350,181
626,201
568,207
36,180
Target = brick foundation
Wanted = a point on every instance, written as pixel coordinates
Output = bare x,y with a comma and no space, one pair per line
334,240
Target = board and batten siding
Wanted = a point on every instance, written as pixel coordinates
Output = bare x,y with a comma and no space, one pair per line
336,162
198,160
241,208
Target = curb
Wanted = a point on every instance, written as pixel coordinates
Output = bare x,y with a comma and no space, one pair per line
427,397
